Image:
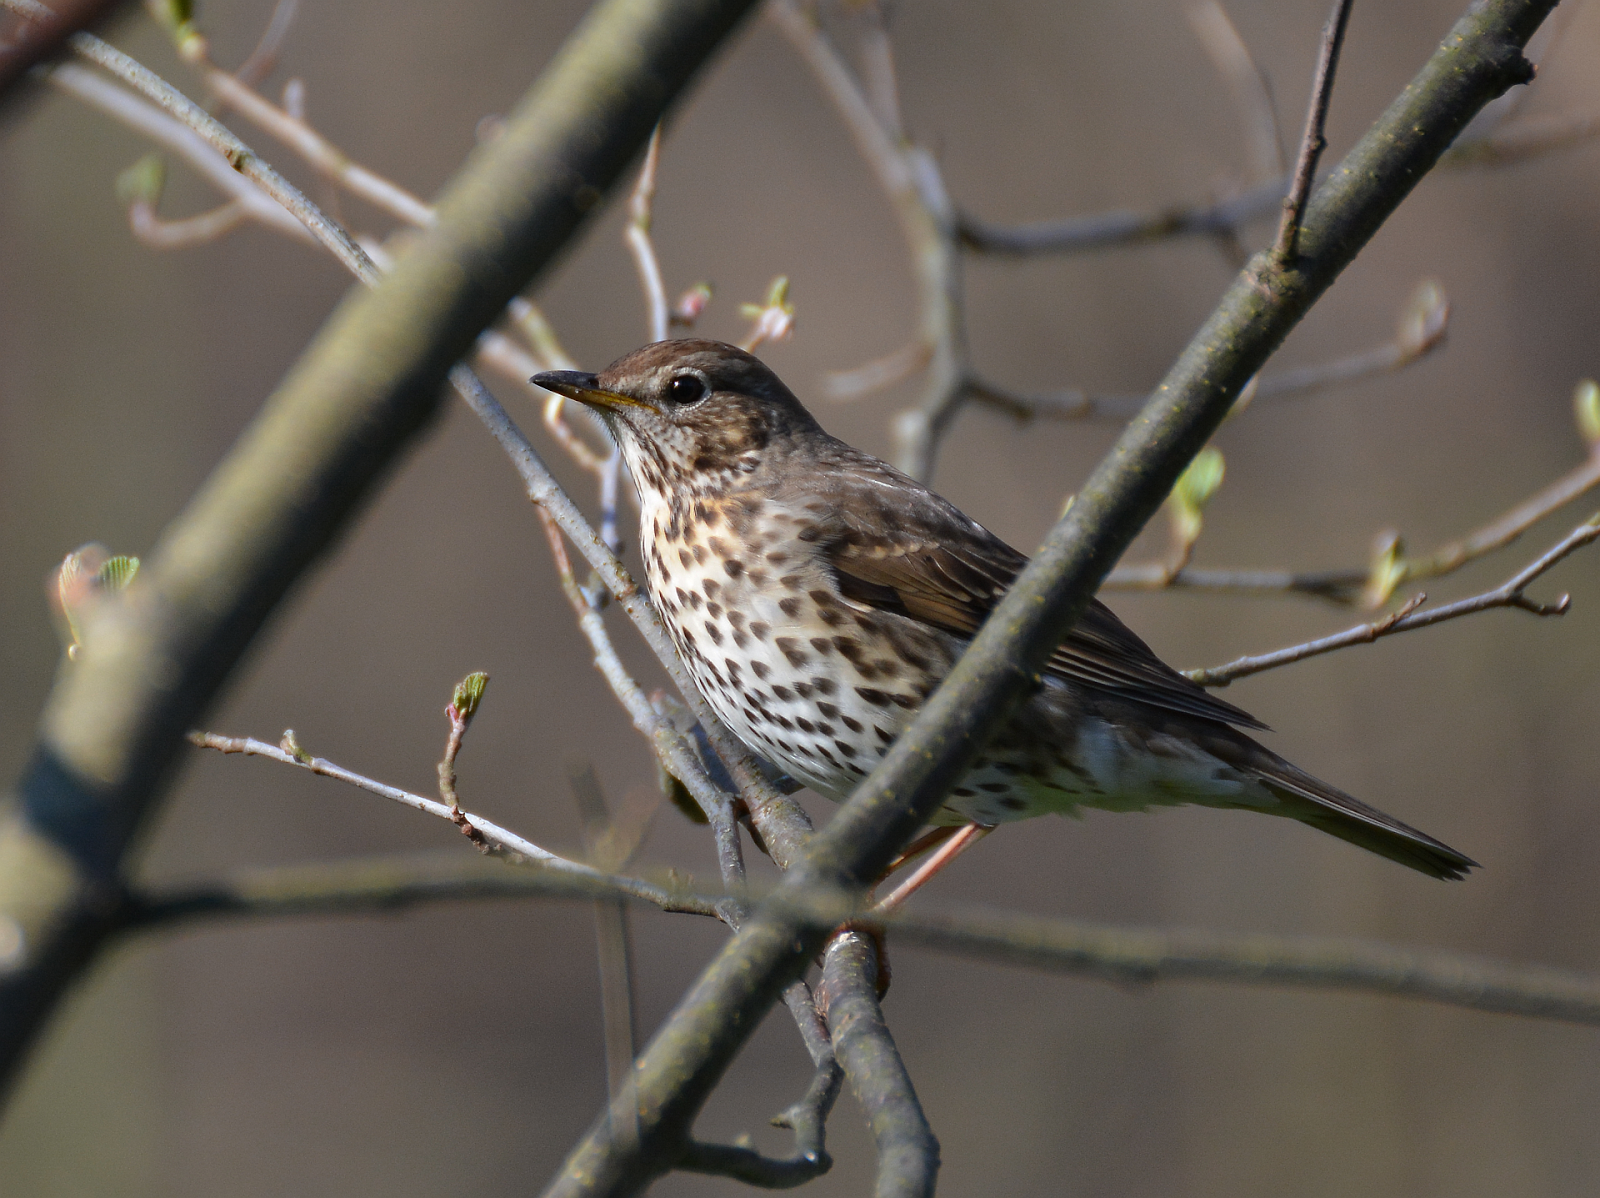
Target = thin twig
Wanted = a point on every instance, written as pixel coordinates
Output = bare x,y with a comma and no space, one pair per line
1125,227
1508,594
500,840
1527,138
640,245
1355,586
1420,330
199,229
178,137
1312,141
910,178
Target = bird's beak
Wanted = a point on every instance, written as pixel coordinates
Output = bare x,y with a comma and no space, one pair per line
585,388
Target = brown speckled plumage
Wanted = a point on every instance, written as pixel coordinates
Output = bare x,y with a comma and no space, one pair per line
818,596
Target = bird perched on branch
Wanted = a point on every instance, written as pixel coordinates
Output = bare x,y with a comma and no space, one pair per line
818,596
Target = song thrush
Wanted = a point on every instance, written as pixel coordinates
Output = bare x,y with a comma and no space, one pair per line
818,596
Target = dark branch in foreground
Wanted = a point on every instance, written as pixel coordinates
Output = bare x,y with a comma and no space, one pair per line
1480,59
908,1153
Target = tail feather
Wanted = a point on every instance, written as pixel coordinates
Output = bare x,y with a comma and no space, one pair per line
1314,802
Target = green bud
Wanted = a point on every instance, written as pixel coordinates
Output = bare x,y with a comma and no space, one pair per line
172,12
144,181
1194,489
1388,569
1586,403
468,694
117,573
290,744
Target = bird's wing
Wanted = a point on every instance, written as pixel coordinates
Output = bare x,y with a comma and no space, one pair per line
926,560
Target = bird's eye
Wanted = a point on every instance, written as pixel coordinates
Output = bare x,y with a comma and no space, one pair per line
687,388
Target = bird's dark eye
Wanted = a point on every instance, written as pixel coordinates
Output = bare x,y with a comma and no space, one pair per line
686,388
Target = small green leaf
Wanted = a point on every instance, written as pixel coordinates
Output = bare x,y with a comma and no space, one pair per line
117,573
1194,489
468,694
1586,403
144,181
290,744
1388,569
172,12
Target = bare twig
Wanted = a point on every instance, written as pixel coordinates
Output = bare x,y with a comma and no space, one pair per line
203,227
1312,141
1143,956
876,50
500,841
1357,586
1106,230
1420,330
178,137
910,178
637,236
386,884
1508,594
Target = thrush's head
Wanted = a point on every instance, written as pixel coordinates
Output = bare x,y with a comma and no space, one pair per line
689,412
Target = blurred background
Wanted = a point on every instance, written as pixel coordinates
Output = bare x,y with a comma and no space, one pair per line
457,1050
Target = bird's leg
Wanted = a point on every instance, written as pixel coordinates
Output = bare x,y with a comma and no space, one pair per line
954,845
928,840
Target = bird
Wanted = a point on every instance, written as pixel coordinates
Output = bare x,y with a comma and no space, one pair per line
817,596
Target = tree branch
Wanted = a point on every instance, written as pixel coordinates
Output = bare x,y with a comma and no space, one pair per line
1312,141
1508,594
908,1152
1119,955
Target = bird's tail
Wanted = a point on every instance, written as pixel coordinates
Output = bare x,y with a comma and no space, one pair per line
1314,802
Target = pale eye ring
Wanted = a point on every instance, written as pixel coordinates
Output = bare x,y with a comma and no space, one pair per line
687,389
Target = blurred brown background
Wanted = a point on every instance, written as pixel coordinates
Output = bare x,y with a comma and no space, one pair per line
457,1050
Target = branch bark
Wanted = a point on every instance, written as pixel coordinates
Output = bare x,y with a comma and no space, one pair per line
1479,60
